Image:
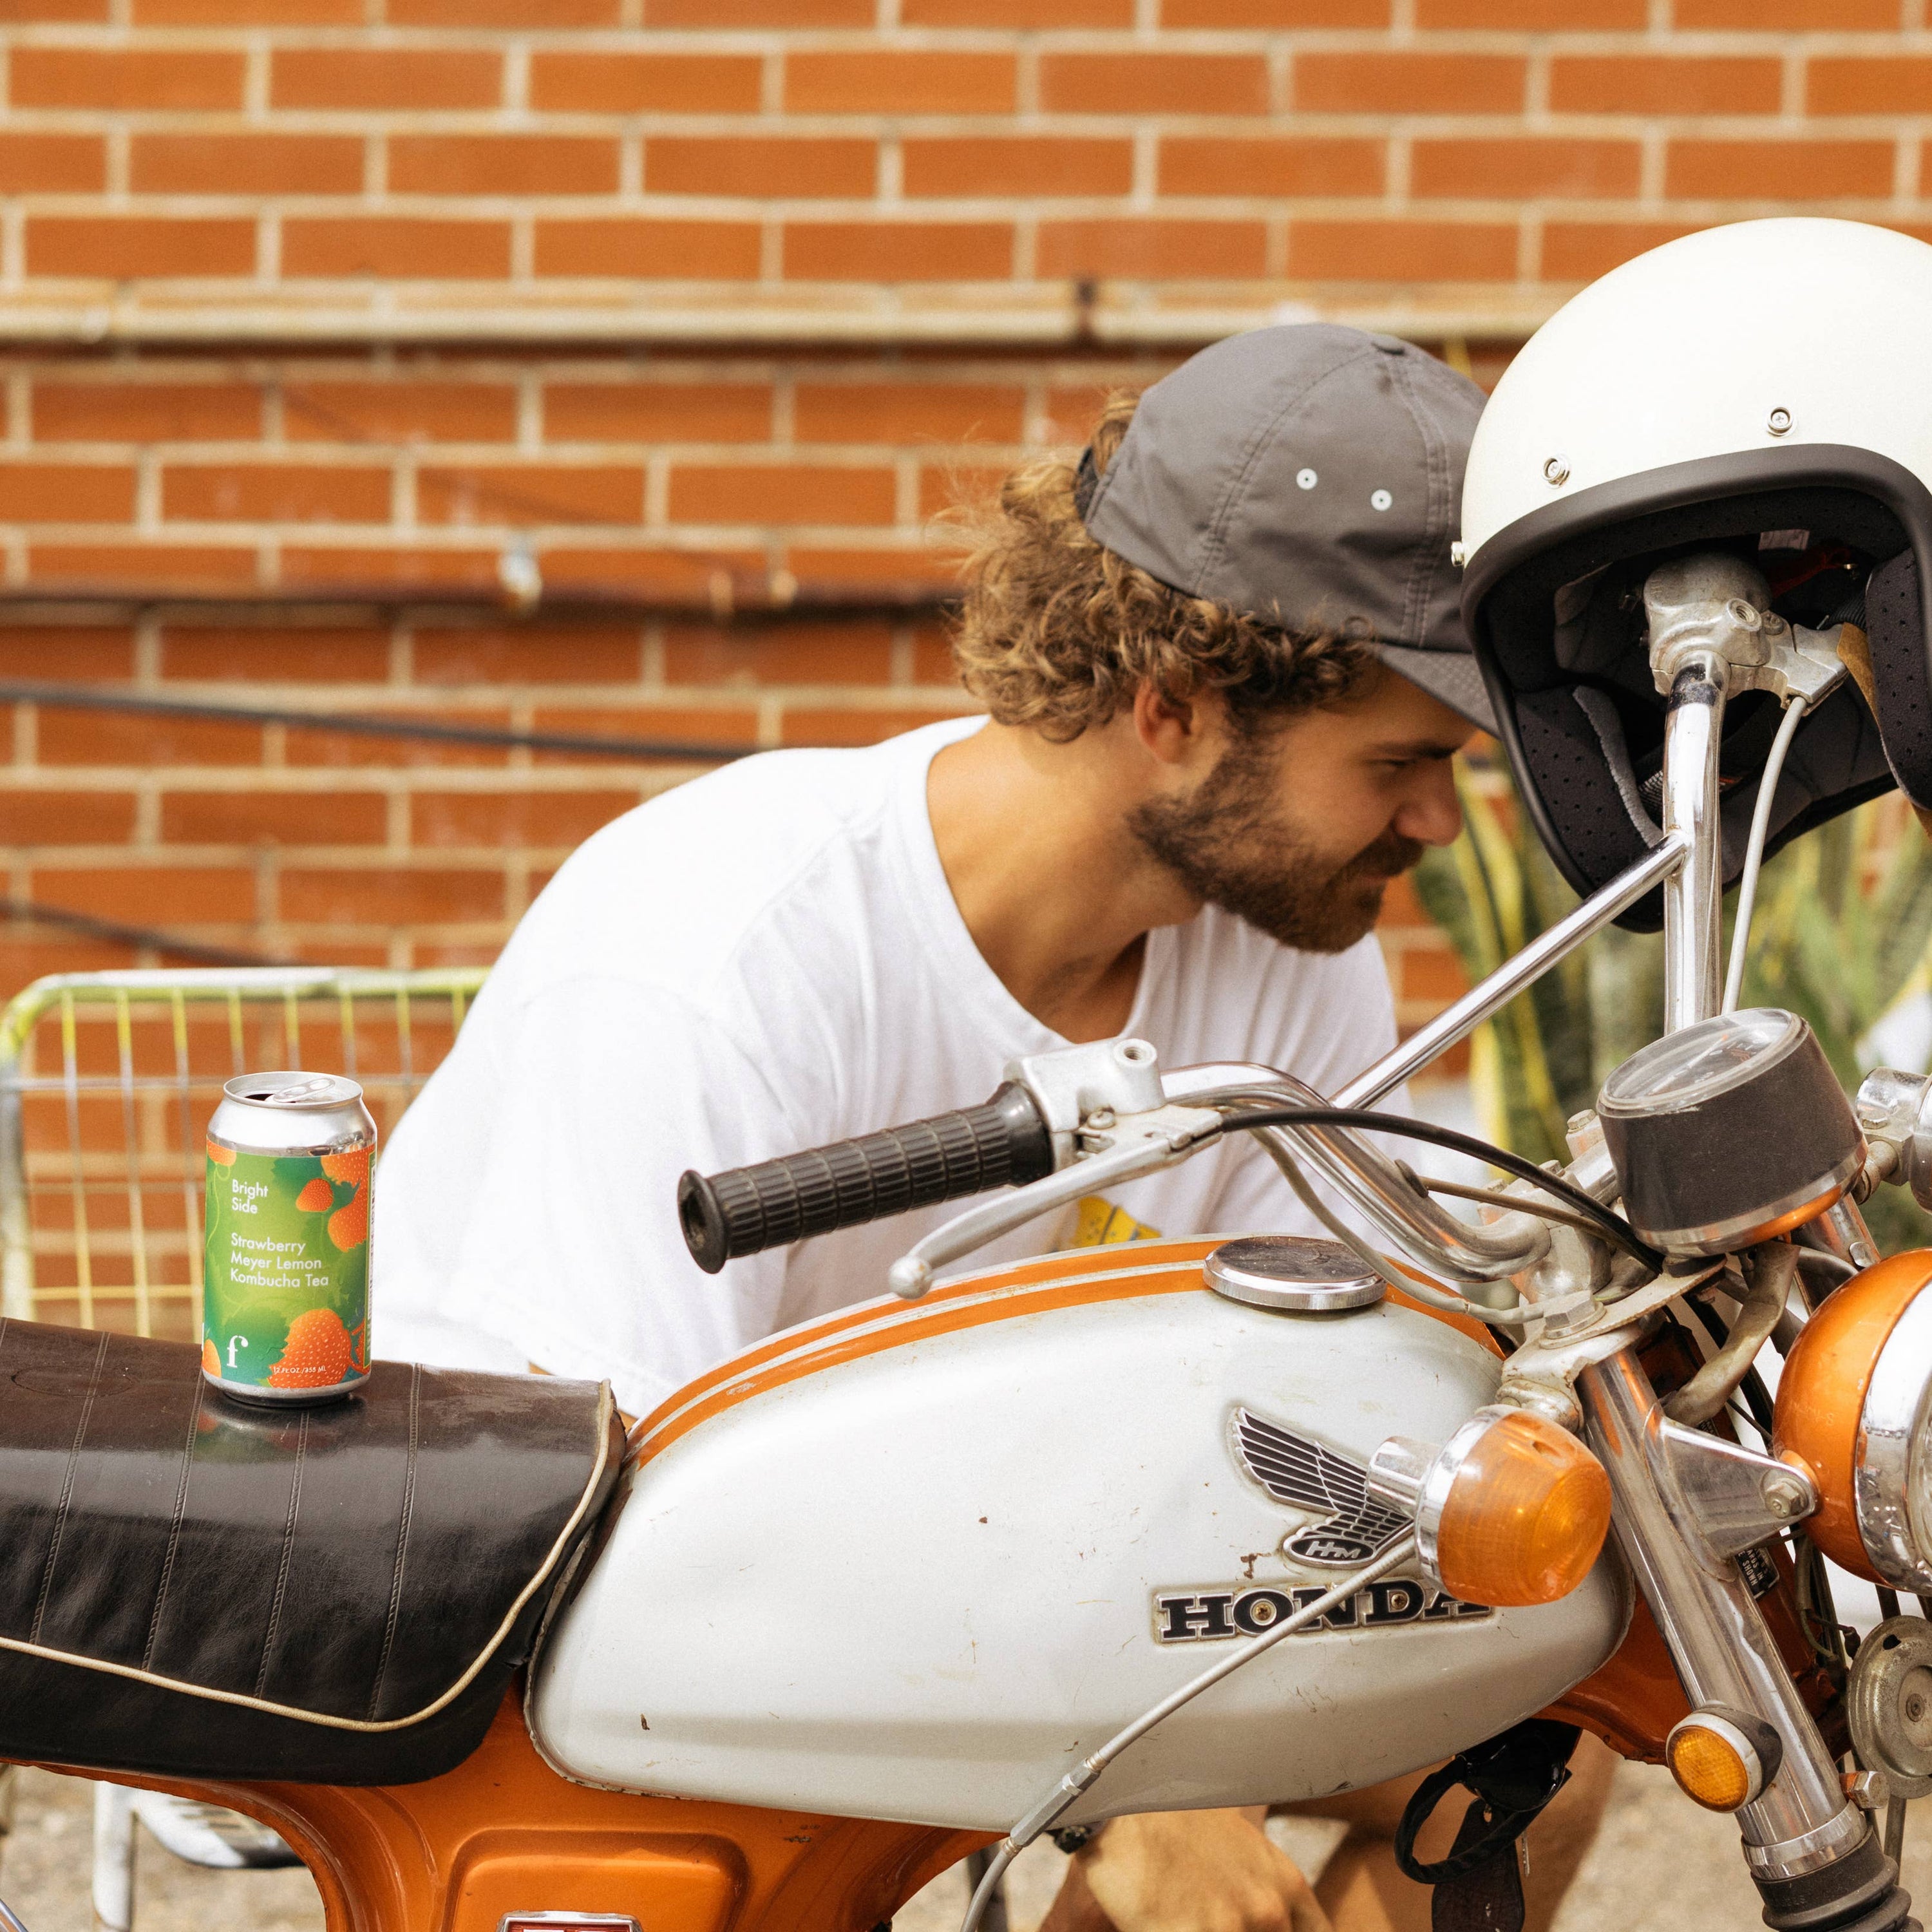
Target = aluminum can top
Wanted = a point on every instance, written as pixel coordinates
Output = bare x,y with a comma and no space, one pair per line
293,1088
291,1111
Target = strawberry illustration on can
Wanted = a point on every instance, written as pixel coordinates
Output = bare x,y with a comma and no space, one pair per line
285,1298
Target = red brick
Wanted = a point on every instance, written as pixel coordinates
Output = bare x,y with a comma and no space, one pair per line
791,167
784,14
120,248
1021,13
1777,170
1024,166
695,575
160,895
89,817
897,569
625,83
286,654
1580,251
409,79
546,13
109,738
502,164
407,410
1879,84
396,246
274,493
259,817
1525,169
367,750
143,566
1153,83
249,13
855,653
1533,16
875,81
1274,13
638,411
391,895
1840,17
898,251
1153,250
932,656
664,723
74,653
1409,83
63,493
908,412
1664,84
34,12
514,821
815,724
1402,251
205,163
530,654
526,494
1280,165
122,411
124,77
774,492
647,250
404,566
52,163
953,485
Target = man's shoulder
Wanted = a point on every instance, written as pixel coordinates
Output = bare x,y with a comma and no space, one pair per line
669,892
1218,943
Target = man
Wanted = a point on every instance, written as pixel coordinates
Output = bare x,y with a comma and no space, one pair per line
1226,676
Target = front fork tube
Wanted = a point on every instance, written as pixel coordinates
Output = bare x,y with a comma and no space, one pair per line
1811,1853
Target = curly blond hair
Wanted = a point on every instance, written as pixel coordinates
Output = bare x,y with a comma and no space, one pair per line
1056,633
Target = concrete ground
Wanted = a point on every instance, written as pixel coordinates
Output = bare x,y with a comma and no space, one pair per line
1659,1865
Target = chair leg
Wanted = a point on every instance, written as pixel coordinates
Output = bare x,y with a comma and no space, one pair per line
113,1858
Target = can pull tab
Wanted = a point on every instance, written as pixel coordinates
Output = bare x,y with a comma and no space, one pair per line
296,1096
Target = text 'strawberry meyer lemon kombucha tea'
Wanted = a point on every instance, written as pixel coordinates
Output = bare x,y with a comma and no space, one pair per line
285,1284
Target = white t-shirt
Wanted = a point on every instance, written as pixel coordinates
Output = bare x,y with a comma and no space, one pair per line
767,959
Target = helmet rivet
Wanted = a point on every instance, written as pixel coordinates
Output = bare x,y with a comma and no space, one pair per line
1380,499
1778,422
1306,478
1556,470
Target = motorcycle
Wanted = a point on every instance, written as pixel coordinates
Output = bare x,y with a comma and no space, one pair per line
1234,1522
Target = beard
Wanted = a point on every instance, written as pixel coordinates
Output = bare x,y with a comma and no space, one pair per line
1230,843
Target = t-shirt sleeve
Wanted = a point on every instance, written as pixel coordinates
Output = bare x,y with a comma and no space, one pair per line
606,1092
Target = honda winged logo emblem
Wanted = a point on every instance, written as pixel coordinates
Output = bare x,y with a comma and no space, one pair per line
1308,1475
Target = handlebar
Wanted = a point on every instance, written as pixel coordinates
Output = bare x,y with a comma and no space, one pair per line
745,1209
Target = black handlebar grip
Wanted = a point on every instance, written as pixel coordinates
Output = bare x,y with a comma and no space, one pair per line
745,1209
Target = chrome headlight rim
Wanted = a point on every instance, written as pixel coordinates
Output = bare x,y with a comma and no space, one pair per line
1893,1448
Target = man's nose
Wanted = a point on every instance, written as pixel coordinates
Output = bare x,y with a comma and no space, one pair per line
1432,814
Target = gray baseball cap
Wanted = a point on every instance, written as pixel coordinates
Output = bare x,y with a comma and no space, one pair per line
1310,476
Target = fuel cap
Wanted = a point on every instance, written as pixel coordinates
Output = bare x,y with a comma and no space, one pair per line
1292,1272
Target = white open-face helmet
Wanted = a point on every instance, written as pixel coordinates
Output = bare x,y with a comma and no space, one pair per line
1764,389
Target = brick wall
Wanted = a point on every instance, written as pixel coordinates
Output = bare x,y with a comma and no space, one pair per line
329,327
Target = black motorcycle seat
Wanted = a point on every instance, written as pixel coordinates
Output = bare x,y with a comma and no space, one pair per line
338,1594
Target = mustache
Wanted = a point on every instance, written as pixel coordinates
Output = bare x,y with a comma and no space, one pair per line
1390,854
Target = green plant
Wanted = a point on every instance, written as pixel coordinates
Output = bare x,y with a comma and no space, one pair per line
1841,935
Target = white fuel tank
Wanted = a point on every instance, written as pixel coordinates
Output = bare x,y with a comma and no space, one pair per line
915,1562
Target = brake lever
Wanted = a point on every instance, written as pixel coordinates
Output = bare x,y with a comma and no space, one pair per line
1141,1143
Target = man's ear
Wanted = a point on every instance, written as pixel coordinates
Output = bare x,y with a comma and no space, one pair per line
1170,729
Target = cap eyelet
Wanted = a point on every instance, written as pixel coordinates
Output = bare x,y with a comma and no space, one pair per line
1380,499
1556,470
1778,423
1306,478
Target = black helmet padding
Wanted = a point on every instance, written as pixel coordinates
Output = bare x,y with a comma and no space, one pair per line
1554,605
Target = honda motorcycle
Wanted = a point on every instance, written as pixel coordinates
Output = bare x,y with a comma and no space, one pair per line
1177,1524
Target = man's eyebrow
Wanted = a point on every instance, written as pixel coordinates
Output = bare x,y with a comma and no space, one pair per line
1416,748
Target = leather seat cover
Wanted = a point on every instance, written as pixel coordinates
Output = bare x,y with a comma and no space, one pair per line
187,1584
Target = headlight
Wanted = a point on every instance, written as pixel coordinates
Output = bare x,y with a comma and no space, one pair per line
1855,1405
1511,1510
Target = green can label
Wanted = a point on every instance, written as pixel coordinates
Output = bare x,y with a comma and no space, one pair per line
286,1283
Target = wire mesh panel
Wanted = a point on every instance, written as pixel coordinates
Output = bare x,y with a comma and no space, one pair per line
107,1080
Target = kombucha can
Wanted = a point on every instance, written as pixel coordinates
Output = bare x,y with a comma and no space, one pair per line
285,1279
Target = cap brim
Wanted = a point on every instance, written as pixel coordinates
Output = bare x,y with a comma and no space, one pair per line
1451,675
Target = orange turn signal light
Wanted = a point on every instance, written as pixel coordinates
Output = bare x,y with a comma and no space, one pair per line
1721,1759
1524,1515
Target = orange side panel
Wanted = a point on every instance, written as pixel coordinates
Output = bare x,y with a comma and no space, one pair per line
1632,1701
502,1832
